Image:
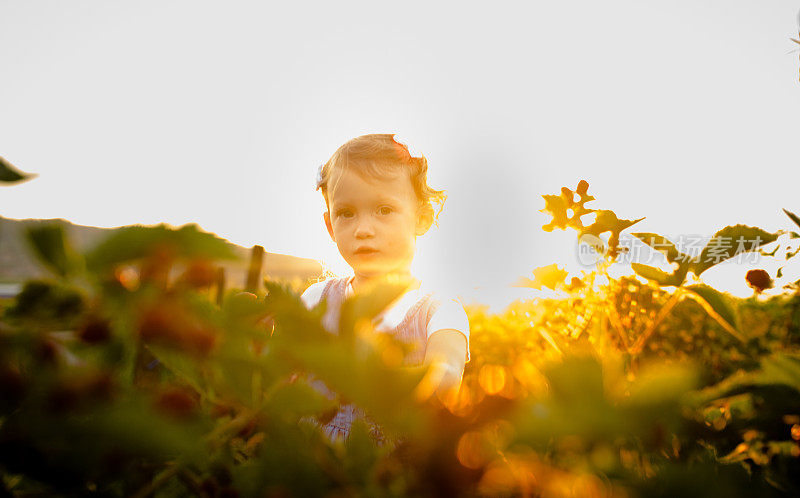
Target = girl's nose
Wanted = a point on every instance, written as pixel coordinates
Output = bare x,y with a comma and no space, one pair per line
364,228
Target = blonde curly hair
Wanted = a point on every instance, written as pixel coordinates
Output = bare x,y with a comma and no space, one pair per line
380,156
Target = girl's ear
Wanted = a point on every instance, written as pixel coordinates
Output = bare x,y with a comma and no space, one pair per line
424,218
327,216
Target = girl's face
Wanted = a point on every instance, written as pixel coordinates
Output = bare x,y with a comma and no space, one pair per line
375,222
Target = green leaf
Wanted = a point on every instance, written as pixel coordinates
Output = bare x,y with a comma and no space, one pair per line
578,380
297,399
556,206
356,372
243,306
576,407
662,245
47,302
10,174
362,453
729,242
367,303
50,245
781,368
776,369
295,462
719,302
793,217
607,221
662,385
295,325
235,376
349,363
139,429
181,365
82,443
138,242
195,243
550,276
662,278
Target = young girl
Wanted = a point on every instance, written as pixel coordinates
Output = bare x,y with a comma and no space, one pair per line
378,202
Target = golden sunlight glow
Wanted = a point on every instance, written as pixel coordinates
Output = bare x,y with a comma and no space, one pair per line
492,378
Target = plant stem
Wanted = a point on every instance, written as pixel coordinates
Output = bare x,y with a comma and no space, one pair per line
616,322
237,423
663,312
716,316
159,481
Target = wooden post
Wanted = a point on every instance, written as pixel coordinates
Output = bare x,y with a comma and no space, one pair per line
254,273
220,284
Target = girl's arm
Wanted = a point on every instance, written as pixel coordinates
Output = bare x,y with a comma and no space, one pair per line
445,354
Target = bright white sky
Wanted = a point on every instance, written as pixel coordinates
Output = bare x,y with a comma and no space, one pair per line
686,112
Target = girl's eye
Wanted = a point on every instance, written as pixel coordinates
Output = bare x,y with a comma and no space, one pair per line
385,210
345,213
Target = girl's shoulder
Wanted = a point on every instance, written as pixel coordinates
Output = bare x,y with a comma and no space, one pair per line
313,294
441,299
448,313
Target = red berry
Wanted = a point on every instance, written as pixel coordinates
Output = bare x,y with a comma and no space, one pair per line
218,410
201,340
177,403
75,389
200,274
758,280
248,428
173,325
101,386
46,351
96,331
209,487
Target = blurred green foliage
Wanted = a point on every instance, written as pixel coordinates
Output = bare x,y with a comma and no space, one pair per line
10,174
122,377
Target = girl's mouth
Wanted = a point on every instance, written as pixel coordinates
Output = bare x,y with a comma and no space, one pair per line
365,251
